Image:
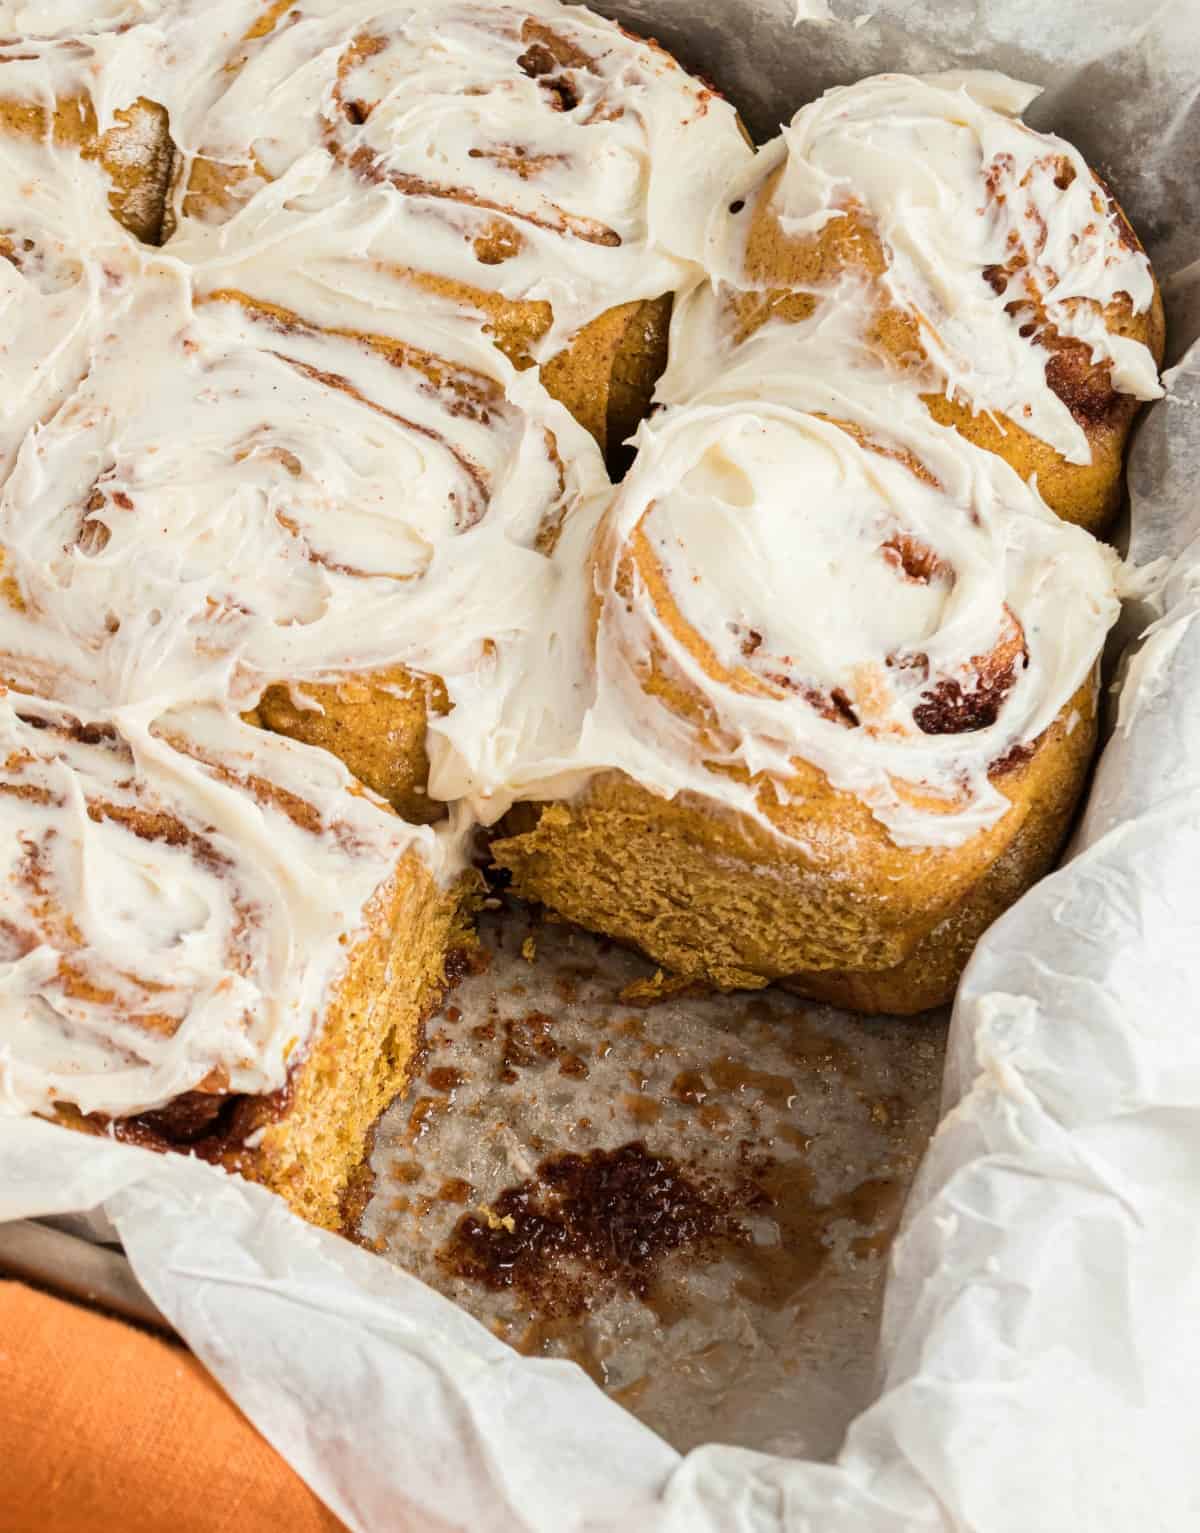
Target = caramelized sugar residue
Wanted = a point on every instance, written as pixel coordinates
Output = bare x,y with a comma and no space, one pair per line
528,1040
589,1223
587,1227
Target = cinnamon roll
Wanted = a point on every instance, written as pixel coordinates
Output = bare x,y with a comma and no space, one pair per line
183,900
842,677
531,161
355,523
319,318
986,262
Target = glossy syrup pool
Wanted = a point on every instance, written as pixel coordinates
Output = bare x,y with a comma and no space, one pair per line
693,1200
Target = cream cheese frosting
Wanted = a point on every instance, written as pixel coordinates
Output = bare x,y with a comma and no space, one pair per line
66,265
895,620
984,222
847,561
847,584
266,453
72,18
170,918
258,454
331,501
535,151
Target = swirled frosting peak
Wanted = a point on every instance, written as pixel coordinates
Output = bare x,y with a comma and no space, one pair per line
802,567
535,151
780,585
995,235
174,902
355,468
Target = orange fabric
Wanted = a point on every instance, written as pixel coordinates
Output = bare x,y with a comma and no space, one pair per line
104,1427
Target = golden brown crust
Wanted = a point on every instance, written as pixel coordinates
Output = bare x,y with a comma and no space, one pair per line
362,1057
606,376
712,895
373,722
136,153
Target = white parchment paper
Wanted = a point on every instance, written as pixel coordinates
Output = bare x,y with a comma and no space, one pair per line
1040,1360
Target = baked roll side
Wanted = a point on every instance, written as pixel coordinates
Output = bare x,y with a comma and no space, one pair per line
214,941
841,674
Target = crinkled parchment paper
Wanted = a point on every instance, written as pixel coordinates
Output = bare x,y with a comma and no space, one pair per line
1040,1344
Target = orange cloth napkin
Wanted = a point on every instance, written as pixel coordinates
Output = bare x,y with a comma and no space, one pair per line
105,1427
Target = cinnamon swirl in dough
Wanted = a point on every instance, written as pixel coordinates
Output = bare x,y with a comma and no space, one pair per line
984,259
319,319
359,465
531,161
843,667
176,904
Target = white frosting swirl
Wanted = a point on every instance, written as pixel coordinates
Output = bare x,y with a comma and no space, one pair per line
958,188
863,590
171,917
73,18
892,631
65,263
262,454
269,452
331,500
534,150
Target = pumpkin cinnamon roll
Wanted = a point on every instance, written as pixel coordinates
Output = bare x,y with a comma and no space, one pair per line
987,264
532,161
351,531
212,941
841,702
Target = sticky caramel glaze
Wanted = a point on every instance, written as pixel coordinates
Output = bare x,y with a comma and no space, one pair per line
585,1223
988,262
524,161
587,1228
